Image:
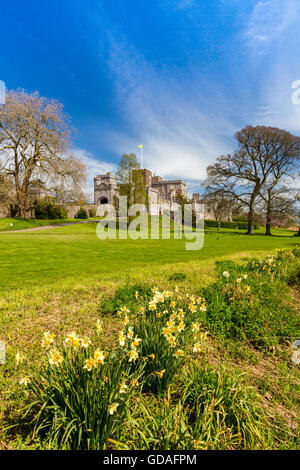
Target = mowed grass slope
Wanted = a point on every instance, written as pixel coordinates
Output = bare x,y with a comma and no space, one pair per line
74,252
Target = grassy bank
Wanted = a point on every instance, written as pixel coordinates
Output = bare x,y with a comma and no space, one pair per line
233,358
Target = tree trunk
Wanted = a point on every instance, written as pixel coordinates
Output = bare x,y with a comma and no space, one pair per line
269,214
268,218
251,210
251,218
22,203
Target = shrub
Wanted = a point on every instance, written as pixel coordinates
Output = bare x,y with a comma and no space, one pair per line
46,209
251,302
234,225
79,396
127,295
92,212
177,277
81,214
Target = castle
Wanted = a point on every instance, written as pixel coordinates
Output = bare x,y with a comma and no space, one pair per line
161,194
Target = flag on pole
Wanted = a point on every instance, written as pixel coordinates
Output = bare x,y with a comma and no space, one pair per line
142,160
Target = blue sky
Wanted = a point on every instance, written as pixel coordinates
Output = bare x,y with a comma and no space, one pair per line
178,76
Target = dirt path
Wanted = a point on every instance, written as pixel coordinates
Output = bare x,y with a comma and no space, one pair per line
46,227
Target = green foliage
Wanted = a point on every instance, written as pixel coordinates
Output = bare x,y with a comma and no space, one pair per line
73,407
234,225
125,295
159,328
157,424
81,214
177,276
252,303
222,410
92,212
46,209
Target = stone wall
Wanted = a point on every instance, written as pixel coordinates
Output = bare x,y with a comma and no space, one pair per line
72,211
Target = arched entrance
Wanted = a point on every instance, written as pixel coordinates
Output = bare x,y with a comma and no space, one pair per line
103,200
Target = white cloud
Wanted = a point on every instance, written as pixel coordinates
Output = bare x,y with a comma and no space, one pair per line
94,167
180,122
269,20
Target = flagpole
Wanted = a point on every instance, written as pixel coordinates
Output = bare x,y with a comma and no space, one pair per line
142,159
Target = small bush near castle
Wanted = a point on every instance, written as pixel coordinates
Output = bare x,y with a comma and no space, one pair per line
92,212
81,214
46,209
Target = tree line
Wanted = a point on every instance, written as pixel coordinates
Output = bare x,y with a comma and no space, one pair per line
260,176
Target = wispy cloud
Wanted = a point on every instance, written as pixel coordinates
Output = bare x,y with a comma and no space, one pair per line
180,121
94,167
272,34
270,20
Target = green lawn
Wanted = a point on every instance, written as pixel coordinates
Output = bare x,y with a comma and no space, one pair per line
74,252
55,280
17,223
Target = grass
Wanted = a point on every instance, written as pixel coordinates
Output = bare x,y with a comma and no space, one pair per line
57,279
74,252
17,223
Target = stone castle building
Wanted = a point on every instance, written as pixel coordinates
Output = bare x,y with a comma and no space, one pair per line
161,194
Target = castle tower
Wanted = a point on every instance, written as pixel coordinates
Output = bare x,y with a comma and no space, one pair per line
105,189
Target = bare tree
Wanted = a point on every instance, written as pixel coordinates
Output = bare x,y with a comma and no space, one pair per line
278,203
220,203
7,195
34,138
243,174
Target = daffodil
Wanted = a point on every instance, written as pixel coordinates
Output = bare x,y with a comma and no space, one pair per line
90,363
179,353
55,357
99,327
160,373
152,305
85,342
73,339
197,348
133,355
19,358
136,342
99,356
195,327
130,332
121,338
123,388
25,380
48,339
226,274
113,408
141,310
159,297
